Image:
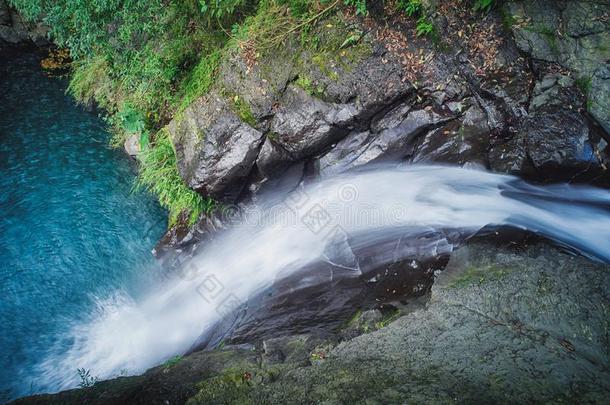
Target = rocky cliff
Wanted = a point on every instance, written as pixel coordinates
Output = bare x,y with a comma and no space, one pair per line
522,90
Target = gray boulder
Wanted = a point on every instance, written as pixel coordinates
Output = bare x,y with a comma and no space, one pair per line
303,126
215,150
397,138
554,141
574,34
132,145
14,30
599,97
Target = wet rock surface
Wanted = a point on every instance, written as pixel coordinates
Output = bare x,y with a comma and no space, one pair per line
509,94
214,148
386,274
555,140
574,34
503,323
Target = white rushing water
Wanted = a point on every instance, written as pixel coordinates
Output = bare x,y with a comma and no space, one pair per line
284,233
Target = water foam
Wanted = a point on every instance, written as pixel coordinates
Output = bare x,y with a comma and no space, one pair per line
283,233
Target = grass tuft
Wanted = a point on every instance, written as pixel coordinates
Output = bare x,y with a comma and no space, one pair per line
159,175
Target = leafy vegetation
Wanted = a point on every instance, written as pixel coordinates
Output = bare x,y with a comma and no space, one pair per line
410,7
424,26
159,174
415,8
359,5
305,83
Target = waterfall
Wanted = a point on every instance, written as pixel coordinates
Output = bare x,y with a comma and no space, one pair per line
284,232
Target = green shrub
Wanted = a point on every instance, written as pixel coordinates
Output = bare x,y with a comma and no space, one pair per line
90,81
132,121
410,7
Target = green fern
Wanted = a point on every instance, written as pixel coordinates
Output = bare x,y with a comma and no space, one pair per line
423,27
410,7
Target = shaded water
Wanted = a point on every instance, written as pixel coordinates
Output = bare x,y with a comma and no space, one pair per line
71,229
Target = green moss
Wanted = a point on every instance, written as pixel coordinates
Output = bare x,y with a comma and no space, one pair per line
236,385
326,65
241,107
479,275
230,387
332,44
388,319
306,84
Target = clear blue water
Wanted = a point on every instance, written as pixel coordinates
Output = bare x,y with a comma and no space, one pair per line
72,229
